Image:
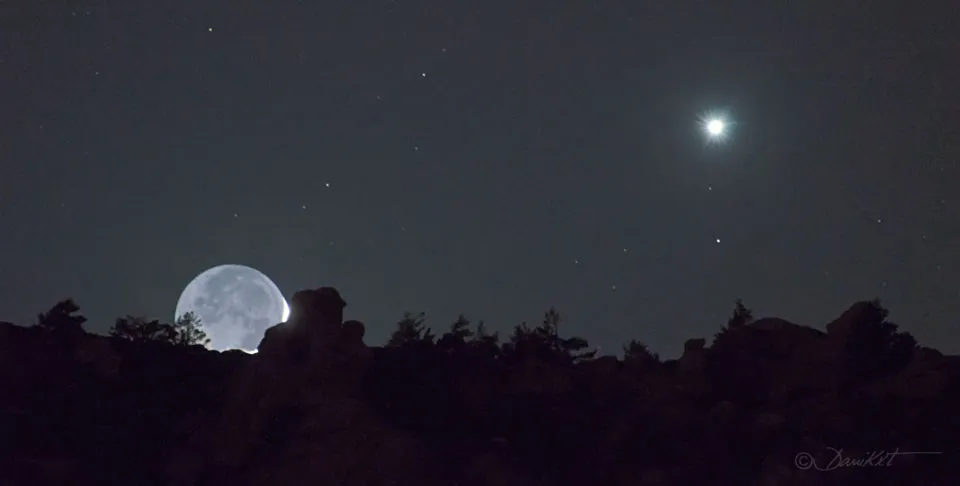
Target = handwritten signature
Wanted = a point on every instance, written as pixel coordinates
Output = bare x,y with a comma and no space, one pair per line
881,458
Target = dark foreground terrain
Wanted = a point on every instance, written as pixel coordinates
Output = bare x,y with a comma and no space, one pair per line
767,403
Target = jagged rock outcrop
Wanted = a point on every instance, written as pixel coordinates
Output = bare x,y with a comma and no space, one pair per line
843,327
303,385
789,339
315,323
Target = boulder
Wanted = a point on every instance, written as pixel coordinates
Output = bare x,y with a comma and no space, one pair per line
841,328
322,307
315,324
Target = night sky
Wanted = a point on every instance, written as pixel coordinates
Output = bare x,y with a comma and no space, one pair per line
491,158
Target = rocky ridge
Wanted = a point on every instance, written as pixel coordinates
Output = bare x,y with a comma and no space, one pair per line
316,405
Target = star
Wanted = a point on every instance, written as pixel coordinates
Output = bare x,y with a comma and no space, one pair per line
716,127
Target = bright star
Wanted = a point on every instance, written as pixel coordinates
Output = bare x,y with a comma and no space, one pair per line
716,127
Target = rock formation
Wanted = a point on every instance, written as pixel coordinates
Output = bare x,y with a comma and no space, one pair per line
842,327
304,384
315,405
694,356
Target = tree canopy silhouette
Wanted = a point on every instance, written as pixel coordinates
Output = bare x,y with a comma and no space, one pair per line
140,329
484,342
411,331
739,319
741,315
62,317
185,331
456,338
544,342
638,355
188,331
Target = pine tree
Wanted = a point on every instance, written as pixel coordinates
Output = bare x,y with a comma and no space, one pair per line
741,315
638,354
188,331
411,330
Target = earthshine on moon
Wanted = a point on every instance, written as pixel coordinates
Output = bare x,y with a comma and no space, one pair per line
236,304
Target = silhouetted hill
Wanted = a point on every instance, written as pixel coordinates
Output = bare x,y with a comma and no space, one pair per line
317,406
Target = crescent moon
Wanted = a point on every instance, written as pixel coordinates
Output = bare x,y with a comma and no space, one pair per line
286,310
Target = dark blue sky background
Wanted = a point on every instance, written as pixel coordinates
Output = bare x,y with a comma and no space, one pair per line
142,142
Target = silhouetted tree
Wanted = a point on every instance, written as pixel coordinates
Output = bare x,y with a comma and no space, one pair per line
544,341
456,338
638,355
184,332
411,331
574,348
875,345
486,343
188,332
736,360
741,315
140,329
523,343
62,317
